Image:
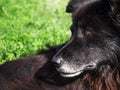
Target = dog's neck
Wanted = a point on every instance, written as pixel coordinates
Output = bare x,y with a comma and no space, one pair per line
107,80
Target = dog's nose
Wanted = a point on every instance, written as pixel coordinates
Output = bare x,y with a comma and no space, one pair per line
57,61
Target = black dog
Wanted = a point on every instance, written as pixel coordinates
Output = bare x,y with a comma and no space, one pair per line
88,61
94,41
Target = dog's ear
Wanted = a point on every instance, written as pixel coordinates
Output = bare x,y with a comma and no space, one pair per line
115,10
72,6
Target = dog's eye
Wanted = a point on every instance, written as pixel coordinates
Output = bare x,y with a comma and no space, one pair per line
88,32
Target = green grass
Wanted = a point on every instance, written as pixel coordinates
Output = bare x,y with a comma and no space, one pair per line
27,26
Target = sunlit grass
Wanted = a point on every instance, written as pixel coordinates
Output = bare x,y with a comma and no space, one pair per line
27,26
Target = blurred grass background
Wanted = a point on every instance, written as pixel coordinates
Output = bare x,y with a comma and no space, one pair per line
27,26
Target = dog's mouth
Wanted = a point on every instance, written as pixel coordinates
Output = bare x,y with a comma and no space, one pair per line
66,74
69,73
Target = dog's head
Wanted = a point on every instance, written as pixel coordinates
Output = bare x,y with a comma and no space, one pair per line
94,42
114,5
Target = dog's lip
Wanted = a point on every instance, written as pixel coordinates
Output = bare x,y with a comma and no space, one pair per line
70,74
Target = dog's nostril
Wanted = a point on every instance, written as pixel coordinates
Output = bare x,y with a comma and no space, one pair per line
57,62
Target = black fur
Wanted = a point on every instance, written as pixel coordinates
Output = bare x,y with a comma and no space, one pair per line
90,60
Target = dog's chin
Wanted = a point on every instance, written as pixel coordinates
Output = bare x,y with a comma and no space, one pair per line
70,74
